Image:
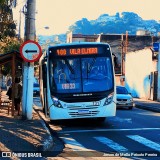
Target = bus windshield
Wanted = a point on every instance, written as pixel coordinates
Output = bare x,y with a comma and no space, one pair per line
80,75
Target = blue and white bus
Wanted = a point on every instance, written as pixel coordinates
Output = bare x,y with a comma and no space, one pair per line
77,81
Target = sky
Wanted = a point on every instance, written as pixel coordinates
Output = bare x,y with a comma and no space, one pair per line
58,15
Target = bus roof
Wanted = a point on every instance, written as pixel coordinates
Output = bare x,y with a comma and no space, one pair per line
78,44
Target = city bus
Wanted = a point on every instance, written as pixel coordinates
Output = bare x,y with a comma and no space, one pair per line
77,81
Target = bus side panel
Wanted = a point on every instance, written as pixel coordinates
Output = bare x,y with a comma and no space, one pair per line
43,79
41,84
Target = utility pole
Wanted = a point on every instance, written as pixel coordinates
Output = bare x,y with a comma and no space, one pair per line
124,49
122,61
126,43
158,68
28,68
122,54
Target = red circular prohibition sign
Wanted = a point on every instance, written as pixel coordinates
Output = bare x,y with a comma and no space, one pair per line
22,51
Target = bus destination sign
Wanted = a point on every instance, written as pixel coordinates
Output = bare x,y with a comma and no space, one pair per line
76,51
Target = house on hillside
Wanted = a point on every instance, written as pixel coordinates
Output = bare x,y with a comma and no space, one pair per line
81,38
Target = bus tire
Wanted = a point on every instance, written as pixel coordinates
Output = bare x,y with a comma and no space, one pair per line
45,104
43,110
101,119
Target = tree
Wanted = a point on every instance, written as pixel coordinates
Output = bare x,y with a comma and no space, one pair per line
7,25
2,1
9,44
7,28
8,40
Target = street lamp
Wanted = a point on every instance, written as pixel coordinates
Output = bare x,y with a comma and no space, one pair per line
45,27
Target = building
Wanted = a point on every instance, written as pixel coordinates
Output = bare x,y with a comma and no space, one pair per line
81,38
143,32
141,74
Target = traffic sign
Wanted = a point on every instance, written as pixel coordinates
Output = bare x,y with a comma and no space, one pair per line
30,51
156,46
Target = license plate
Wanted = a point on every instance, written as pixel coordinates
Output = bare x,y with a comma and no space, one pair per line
83,111
121,102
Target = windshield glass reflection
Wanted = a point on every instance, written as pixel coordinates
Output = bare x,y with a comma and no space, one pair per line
71,75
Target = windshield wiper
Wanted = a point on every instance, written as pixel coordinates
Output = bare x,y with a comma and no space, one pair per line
91,65
69,66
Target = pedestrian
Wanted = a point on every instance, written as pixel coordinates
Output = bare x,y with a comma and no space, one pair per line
17,94
9,93
9,82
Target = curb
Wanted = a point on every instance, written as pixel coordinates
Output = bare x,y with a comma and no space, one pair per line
48,142
149,108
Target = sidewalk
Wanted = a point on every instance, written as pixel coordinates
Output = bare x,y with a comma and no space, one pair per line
19,135
147,104
32,136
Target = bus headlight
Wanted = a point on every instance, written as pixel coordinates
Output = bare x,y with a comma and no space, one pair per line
109,99
56,103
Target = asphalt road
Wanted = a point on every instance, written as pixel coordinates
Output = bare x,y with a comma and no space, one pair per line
134,134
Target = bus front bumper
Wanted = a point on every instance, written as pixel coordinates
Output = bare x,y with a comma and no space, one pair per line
63,113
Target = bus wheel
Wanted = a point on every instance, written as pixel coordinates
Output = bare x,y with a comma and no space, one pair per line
54,121
43,110
101,119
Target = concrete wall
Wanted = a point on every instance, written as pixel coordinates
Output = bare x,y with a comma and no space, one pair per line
138,67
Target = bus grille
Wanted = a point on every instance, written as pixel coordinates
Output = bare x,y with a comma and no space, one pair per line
76,114
82,107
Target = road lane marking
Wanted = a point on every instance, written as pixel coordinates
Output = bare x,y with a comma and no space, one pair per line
121,120
73,144
145,142
111,144
107,130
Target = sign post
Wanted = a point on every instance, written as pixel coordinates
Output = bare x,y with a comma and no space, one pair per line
28,67
30,52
